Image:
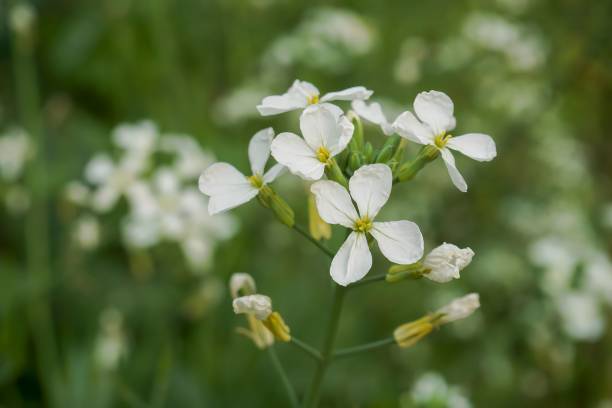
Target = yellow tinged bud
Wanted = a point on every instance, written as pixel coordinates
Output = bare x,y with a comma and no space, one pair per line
319,229
277,326
408,334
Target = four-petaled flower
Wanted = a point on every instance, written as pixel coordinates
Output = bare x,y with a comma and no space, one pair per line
302,94
326,134
435,111
399,241
228,188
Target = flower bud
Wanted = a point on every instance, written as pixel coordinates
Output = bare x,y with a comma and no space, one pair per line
388,150
242,284
398,273
408,334
368,151
319,229
277,326
356,160
459,308
259,306
446,261
281,209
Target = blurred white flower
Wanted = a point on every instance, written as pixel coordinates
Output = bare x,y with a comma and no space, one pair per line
431,390
137,139
259,306
111,344
407,69
190,159
228,188
87,232
302,94
446,261
435,111
21,17
77,193
370,186
326,134
581,315
459,308
15,150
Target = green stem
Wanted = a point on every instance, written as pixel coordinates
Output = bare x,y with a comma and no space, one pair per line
334,172
410,169
314,241
371,279
283,376
307,348
347,352
36,226
312,399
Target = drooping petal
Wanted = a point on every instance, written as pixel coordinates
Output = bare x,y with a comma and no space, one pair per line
346,134
349,94
292,151
274,171
226,187
409,127
436,109
352,261
334,203
477,146
454,174
400,242
370,187
259,149
275,104
318,125
373,113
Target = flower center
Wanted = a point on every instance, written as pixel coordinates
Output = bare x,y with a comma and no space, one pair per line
323,154
256,181
312,100
363,224
441,140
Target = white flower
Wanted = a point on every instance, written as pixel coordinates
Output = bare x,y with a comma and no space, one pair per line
136,138
259,306
581,315
302,93
87,232
435,111
229,188
446,261
326,133
373,113
15,150
399,241
459,308
241,281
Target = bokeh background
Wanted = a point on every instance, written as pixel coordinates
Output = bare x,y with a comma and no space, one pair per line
107,303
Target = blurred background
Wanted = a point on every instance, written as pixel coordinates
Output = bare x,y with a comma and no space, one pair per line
113,279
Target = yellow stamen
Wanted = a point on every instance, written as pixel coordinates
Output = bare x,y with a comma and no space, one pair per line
323,155
441,140
363,224
314,99
256,181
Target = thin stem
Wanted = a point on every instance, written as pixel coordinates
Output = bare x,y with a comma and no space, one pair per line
312,399
347,352
308,349
314,241
371,279
283,376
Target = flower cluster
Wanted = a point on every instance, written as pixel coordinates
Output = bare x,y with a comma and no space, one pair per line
154,173
350,183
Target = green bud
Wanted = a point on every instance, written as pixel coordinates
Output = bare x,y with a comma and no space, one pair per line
356,143
398,273
355,160
269,199
368,151
388,150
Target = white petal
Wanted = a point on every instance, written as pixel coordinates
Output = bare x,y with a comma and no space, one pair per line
226,187
303,88
292,151
454,174
259,149
400,242
409,127
353,260
370,187
259,306
349,94
275,104
372,113
334,203
476,146
274,171
346,134
436,109
319,126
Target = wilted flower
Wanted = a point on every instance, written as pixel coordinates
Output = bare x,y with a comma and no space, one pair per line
370,187
302,94
326,134
242,284
446,261
259,306
435,111
229,188
459,308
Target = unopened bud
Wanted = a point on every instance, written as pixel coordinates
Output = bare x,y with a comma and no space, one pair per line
356,160
398,273
368,152
408,334
319,229
281,209
388,150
